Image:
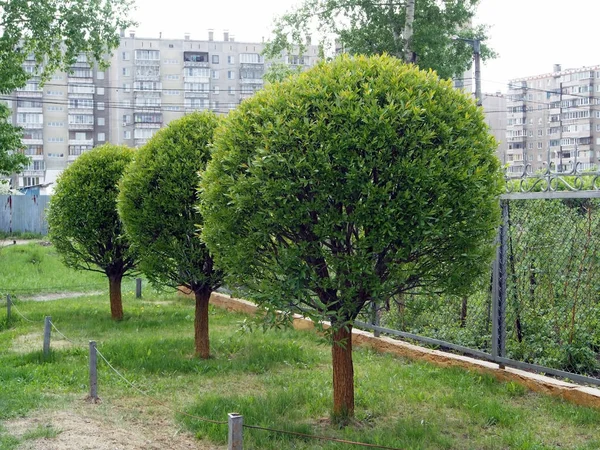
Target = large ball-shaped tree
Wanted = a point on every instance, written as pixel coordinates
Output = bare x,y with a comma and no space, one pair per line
83,221
157,203
358,180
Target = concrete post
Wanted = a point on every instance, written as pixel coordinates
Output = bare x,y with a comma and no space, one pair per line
234,436
93,372
47,329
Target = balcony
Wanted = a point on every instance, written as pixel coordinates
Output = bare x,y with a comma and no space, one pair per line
33,173
30,126
147,62
33,94
81,142
81,126
148,124
195,94
196,64
24,109
195,79
252,81
33,142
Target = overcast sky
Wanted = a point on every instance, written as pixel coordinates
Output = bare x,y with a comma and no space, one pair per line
529,35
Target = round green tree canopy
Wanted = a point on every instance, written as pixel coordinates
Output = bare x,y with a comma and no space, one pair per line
158,203
352,182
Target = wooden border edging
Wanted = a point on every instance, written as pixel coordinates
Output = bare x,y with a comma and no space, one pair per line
581,395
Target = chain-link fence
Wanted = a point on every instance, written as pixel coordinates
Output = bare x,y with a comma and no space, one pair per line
539,303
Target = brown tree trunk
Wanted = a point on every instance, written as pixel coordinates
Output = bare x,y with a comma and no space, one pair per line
116,303
201,323
343,374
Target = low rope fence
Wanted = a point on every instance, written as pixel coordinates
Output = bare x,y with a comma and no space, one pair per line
235,424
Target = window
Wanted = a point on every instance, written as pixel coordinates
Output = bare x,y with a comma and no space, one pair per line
55,108
215,59
84,119
530,146
101,137
196,72
54,93
126,87
126,134
56,124
143,133
215,74
231,74
231,91
251,58
126,119
540,145
100,106
216,90
540,132
171,92
100,91
196,87
125,56
126,72
81,103
100,75
100,121
230,60
171,77
81,89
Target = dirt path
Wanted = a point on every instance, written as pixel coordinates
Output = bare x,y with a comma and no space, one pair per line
93,427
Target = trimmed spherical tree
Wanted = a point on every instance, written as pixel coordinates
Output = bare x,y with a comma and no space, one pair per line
356,181
157,204
83,222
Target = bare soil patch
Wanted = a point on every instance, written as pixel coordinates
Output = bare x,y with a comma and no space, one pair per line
34,341
86,430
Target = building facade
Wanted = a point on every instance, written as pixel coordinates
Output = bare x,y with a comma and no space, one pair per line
554,120
494,108
149,83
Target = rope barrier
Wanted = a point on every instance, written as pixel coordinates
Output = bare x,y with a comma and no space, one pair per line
323,438
13,306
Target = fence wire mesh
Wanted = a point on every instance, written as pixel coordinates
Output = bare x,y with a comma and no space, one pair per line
550,299
553,283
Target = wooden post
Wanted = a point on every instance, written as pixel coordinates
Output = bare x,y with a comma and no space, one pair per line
8,309
138,288
93,372
47,329
234,437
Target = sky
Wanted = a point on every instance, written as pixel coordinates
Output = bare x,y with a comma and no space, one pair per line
530,36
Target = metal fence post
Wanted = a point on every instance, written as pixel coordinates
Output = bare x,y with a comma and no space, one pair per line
499,289
47,329
235,424
93,372
138,288
8,309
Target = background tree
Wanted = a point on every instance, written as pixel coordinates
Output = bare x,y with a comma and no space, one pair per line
345,185
374,27
158,206
83,222
54,33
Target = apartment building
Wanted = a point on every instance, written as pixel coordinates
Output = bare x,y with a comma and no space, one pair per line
494,108
554,119
150,82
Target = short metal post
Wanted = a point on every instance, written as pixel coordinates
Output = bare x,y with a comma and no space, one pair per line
93,372
47,329
8,309
499,289
234,436
375,319
138,288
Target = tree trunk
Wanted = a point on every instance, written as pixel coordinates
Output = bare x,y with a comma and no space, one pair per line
409,56
201,323
463,311
114,289
343,374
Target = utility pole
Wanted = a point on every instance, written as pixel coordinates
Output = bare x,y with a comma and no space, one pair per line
476,44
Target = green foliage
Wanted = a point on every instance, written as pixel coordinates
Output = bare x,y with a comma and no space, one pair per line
370,27
10,143
157,204
351,183
83,222
51,34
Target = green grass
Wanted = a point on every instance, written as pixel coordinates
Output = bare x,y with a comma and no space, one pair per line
278,379
30,269
20,235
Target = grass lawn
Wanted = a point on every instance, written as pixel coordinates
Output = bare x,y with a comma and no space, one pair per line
30,269
278,379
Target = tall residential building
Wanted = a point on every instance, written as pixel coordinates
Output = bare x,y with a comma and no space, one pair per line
150,82
494,107
554,118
